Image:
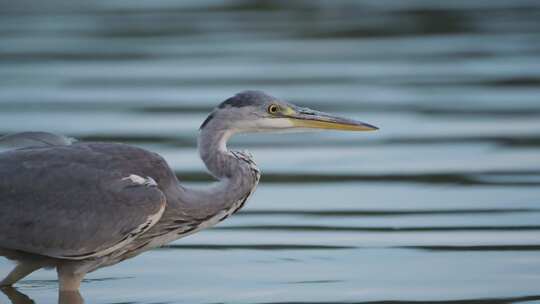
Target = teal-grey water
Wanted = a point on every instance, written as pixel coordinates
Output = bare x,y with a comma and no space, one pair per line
441,205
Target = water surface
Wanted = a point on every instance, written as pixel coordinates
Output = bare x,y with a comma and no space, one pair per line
442,205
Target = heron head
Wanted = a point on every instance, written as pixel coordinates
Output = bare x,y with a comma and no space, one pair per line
255,111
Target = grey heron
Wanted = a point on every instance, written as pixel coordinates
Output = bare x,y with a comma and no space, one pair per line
80,206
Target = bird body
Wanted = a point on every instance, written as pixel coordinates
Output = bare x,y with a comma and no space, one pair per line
75,223
80,206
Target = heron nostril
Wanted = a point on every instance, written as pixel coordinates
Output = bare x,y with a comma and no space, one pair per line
308,112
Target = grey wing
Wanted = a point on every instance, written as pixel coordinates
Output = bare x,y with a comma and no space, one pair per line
71,209
33,139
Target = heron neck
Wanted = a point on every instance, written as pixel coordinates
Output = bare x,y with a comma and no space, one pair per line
213,151
236,177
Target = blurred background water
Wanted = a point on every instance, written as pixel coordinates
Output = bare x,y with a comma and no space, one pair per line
441,205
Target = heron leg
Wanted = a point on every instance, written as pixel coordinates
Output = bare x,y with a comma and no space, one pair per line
20,271
70,297
69,280
15,296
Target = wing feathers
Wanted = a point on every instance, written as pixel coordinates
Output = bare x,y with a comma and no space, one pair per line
72,202
33,139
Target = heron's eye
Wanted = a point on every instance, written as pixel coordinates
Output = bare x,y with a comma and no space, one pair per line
273,109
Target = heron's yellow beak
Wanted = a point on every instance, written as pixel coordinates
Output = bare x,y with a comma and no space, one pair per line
307,118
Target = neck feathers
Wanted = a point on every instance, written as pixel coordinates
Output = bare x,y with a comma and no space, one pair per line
236,172
213,151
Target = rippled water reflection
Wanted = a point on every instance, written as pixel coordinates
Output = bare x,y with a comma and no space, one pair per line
441,205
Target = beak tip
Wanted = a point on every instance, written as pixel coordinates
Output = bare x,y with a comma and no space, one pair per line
370,127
